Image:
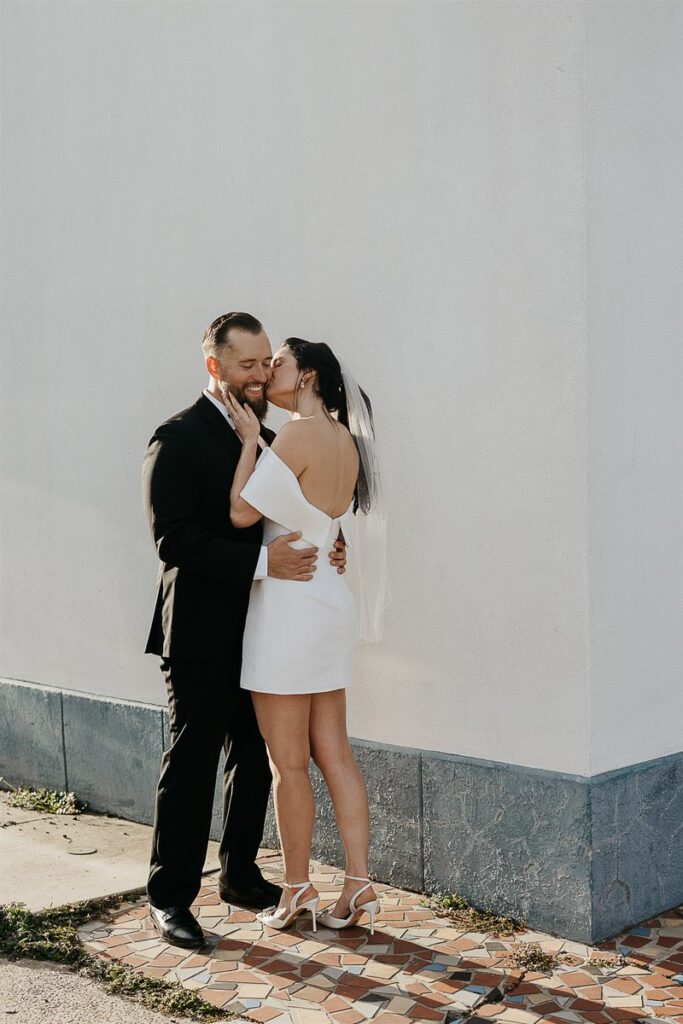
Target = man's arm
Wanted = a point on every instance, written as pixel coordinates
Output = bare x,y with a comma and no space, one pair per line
170,488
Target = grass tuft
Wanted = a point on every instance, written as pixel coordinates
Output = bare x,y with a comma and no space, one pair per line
154,993
458,910
52,935
46,801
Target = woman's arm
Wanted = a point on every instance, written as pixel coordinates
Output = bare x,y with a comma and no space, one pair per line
242,514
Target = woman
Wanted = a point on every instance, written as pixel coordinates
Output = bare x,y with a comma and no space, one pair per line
299,640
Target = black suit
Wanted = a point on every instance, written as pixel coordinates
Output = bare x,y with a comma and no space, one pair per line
202,599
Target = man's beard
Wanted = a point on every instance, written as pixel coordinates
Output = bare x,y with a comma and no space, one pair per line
259,406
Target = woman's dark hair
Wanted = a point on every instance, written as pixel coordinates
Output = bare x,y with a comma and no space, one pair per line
329,385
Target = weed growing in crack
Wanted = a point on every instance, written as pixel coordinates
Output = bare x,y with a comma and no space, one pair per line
46,801
614,962
458,910
530,957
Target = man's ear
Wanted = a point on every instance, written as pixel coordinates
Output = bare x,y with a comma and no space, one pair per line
214,367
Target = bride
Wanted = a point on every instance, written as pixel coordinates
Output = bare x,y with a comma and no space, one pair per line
319,477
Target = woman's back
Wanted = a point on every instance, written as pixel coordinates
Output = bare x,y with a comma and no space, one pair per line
323,456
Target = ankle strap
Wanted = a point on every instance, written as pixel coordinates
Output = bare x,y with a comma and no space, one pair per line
356,878
296,885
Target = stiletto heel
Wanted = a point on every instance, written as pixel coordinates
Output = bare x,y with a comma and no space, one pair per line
371,908
270,917
311,905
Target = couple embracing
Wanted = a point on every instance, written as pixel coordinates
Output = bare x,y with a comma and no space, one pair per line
255,624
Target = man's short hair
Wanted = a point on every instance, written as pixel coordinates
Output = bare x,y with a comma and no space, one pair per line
216,334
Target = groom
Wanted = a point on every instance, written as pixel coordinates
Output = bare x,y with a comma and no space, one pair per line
203,593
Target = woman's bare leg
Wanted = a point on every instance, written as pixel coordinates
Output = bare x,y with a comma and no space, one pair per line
331,751
283,720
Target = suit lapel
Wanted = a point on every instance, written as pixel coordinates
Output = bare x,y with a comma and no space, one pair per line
218,425
221,429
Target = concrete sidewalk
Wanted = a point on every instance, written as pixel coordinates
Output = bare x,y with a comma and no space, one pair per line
34,992
47,860
417,966
50,859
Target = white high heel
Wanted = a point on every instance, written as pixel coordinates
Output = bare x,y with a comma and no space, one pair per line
271,917
371,908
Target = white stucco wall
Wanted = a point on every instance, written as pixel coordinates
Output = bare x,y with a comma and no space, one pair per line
407,181
634,135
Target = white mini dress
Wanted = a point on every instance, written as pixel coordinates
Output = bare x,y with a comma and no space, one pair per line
299,636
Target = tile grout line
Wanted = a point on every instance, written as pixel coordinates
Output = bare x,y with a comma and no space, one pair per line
497,994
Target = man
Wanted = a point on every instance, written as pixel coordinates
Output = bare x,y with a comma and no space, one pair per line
207,570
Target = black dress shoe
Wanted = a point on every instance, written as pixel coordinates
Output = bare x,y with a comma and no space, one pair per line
259,895
177,926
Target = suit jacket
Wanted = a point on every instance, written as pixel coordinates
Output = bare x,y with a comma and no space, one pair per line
207,564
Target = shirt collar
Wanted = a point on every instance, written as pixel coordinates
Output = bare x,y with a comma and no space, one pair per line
220,406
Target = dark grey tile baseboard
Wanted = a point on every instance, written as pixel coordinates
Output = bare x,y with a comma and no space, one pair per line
31,737
637,843
105,750
112,752
582,857
515,841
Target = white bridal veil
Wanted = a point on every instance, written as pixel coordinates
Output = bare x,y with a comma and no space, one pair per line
368,542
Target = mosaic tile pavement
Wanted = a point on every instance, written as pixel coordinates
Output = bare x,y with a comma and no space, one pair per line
416,967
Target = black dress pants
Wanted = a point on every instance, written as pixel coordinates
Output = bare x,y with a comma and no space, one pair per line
207,711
